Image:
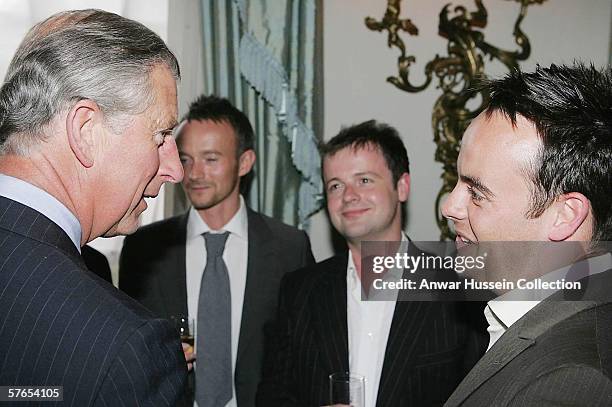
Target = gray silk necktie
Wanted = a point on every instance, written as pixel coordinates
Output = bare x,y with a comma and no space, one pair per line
214,340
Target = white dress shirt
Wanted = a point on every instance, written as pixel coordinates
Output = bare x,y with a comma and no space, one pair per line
235,256
369,323
43,202
501,313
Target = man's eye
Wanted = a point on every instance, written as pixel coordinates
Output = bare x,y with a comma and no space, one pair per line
365,180
212,159
475,195
333,187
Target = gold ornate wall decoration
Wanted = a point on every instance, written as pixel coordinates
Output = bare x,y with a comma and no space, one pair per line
457,75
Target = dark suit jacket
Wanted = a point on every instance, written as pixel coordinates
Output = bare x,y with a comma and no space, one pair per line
431,346
97,263
559,353
61,325
152,270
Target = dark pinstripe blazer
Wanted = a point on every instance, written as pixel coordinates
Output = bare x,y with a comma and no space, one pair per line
559,353
152,270
431,346
62,325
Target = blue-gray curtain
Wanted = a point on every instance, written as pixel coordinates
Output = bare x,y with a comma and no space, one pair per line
263,55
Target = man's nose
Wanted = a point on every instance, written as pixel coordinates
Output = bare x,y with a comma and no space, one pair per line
170,168
454,207
350,194
196,170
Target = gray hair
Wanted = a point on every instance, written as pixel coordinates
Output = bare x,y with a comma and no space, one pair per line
76,55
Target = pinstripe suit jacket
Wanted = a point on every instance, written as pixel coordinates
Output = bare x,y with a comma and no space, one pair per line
559,353
431,346
61,325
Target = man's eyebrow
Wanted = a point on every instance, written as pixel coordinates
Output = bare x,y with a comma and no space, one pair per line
475,182
332,179
363,173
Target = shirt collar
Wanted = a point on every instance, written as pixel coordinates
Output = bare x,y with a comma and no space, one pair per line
508,312
237,225
43,202
351,270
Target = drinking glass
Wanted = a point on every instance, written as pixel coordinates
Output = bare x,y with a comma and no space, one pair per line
347,388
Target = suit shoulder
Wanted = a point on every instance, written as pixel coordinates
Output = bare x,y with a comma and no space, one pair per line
161,225
280,228
108,299
157,229
74,283
312,274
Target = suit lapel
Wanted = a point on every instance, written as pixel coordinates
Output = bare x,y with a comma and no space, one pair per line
408,321
409,317
23,220
509,346
260,271
521,336
328,305
172,270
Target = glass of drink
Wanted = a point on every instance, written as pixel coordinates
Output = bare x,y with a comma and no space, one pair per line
347,388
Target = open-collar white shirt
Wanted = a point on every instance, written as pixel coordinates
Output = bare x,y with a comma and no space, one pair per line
501,313
235,256
368,323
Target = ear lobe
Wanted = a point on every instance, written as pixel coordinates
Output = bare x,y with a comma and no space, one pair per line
572,211
80,130
403,187
246,161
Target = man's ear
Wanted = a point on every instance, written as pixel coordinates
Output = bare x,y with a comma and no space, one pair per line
246,161
571,211
80,129
403,187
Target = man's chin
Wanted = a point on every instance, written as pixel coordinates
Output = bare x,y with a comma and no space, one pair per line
355,233
111,232
204,204
124,227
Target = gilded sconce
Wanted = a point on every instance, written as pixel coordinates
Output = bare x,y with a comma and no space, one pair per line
457,75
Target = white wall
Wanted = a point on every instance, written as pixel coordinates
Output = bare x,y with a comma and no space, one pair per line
357,62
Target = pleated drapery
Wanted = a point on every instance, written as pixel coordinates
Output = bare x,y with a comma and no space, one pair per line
263,56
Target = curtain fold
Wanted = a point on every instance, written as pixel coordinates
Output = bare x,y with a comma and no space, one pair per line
263,55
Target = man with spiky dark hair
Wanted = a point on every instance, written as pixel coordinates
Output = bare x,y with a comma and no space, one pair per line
536,166
166,265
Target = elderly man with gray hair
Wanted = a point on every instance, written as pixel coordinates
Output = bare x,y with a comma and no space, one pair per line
87,110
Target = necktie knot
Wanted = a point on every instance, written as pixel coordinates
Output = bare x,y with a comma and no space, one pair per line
215,243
